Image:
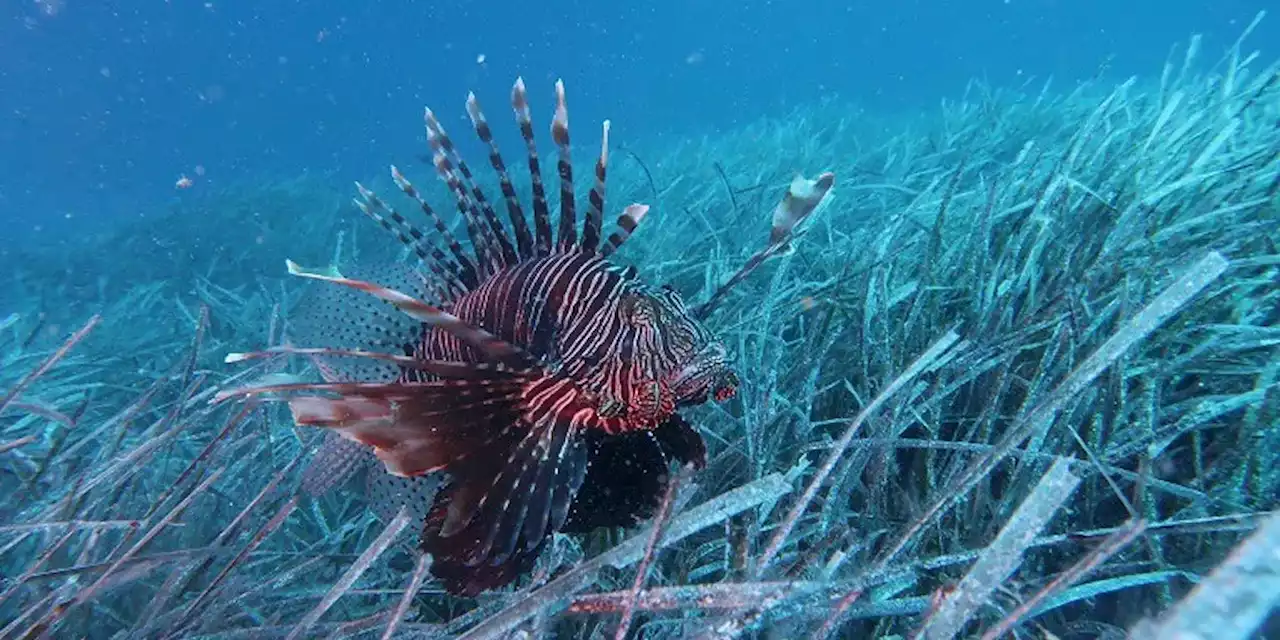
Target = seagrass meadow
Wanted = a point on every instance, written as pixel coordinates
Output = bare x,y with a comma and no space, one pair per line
1020,378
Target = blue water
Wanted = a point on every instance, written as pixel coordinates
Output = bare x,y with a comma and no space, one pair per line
114,111
104,105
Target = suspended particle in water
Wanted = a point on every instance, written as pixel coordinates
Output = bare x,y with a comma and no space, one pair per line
50,8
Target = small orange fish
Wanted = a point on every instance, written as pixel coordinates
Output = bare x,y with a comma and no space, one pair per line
183,182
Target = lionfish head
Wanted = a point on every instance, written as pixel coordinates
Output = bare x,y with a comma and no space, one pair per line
680,361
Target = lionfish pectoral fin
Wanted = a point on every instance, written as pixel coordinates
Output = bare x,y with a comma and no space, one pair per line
355,417
371,422
500,509
330,271
509,441
419,427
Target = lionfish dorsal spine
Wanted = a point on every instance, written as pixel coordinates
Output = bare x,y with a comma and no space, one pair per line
498,246
541,217
627,223
467,269
486,256
447,285
564,166
524,239
492,249
591,226
482,243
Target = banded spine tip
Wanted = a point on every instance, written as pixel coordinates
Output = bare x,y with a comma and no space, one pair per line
604,144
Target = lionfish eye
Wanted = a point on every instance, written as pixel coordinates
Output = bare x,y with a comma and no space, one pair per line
638,310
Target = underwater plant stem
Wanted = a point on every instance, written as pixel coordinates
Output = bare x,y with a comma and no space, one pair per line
1107,548
49,362
1192,282
928,359
1004,555
554,594
373,552
657,530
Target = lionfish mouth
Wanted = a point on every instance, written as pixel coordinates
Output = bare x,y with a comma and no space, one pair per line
726,386
706,375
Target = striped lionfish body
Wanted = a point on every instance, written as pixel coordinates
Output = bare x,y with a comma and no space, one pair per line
543,380
634,352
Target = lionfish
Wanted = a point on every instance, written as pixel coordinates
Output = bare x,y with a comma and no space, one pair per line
545,381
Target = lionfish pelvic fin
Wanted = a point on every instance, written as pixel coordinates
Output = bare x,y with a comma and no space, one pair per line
511,442
629,473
